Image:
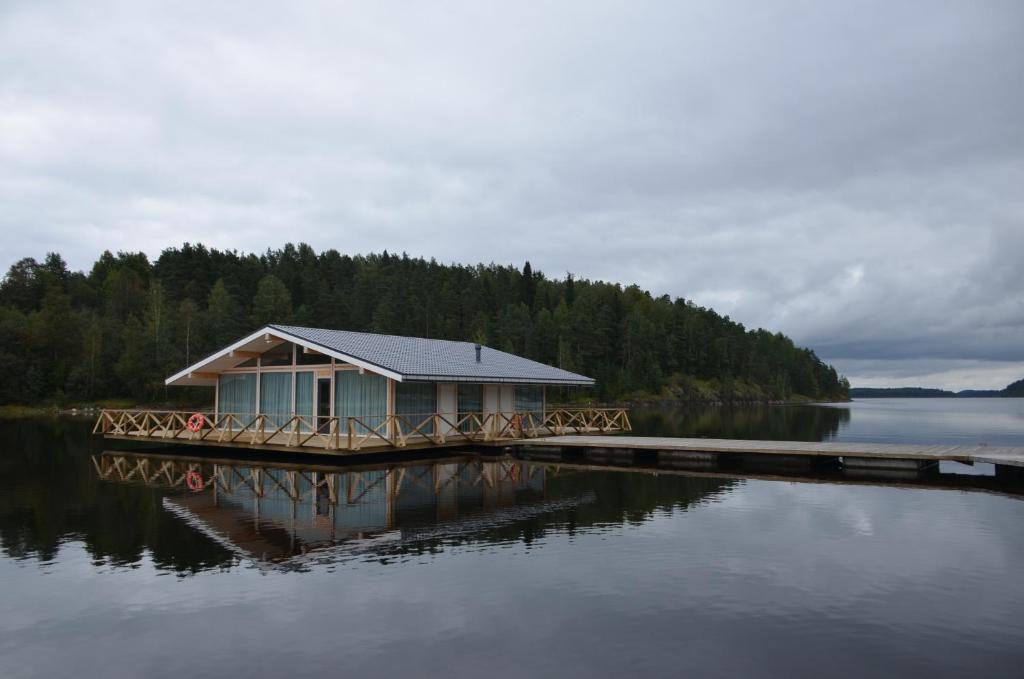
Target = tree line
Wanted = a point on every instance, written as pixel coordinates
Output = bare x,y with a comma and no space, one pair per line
119,329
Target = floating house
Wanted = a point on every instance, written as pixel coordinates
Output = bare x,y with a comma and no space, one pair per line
285,386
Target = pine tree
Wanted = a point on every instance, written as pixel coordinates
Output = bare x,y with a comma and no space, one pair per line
223,316
272,303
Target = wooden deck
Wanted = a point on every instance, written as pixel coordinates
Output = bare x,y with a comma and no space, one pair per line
969,454
348,435
281,443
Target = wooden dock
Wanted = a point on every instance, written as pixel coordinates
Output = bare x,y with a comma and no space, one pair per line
597,430
849,452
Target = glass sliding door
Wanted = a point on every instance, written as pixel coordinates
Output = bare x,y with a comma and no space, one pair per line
414,403
236,395
276,398
323,405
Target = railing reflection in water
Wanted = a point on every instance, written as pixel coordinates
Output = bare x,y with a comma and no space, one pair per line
276,512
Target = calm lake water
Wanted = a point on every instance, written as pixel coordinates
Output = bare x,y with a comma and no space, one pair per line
497,567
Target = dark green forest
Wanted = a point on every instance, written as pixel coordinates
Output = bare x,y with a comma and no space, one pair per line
119,329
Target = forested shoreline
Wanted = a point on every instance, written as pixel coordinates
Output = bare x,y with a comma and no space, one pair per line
119,329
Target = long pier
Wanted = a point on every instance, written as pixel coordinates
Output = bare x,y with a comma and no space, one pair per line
850,455
591,432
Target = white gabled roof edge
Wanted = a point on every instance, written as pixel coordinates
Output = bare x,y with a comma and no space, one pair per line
484,379
277,332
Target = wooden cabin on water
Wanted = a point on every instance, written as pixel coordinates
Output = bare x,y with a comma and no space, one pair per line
286,388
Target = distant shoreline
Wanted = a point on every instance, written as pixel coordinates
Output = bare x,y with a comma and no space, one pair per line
1011,391
862,397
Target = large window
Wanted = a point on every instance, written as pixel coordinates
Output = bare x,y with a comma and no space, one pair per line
530,400
236,395
304,397
415,402
277,356
471,400
276,397
362,396
305,357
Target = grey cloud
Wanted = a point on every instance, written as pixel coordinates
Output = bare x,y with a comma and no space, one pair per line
848,174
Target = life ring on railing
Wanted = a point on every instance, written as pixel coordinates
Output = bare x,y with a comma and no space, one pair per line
515,423
196,422
194,481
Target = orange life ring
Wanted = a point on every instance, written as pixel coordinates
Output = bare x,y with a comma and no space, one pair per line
194,481
196,422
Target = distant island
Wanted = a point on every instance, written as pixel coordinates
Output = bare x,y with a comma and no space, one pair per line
1015,389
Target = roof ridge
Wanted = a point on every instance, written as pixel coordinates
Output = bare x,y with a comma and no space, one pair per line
281,326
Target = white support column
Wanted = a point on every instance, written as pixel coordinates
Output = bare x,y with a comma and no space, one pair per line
331,399
259,380
294,385
390,406
491,399
491,407
447,405
507,399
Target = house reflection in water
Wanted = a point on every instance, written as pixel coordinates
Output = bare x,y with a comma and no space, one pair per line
290,515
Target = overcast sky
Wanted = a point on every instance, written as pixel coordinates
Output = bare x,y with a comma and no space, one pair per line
849,173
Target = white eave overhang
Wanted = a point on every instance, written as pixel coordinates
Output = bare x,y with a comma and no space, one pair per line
485,379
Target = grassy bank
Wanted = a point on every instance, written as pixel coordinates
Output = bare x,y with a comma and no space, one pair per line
12,412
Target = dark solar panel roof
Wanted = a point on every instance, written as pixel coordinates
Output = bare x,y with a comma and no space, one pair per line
435,360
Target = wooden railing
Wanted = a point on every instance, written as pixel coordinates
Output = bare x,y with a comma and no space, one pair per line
355,433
